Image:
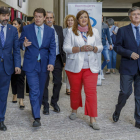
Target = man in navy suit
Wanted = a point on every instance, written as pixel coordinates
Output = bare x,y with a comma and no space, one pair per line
39,58
10,59
128,46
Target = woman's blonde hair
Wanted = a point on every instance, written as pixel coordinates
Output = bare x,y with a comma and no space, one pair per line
75,26
66,19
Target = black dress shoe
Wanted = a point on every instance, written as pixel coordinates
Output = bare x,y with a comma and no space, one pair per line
55,107
22,107
14,101
45,111
137,125
115,116
36,123
2,126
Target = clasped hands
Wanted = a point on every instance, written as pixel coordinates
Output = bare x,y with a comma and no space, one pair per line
87,48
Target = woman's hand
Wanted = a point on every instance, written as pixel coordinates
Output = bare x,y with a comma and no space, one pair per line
86,48
90,48
95,49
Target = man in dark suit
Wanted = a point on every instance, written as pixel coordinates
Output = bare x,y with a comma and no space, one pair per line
128,46
40,54
59,64
10,59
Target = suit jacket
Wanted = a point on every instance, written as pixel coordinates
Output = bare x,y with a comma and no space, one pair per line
125,45
59,32
11,50
47,50
75,61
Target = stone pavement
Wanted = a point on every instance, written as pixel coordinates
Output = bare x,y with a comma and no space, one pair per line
57,126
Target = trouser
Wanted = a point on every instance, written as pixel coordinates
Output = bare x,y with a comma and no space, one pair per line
112,63
89,80
4,88
17,84
57,81
105,53
126,90
67,83
36,80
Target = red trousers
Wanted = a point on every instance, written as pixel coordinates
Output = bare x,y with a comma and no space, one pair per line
89,80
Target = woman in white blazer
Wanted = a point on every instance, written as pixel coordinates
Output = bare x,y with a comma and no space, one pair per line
82,43
68,22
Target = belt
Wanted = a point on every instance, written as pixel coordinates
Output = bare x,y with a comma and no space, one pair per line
39,60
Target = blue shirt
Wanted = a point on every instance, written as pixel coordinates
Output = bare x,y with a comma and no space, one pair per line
134,30
42,30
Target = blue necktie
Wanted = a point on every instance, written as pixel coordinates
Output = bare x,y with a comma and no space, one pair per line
137,35
39,39
2,37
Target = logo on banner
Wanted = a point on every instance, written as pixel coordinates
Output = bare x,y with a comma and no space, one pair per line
93,21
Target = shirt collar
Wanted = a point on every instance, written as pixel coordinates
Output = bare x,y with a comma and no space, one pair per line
3,25
133,26
42,26
52,26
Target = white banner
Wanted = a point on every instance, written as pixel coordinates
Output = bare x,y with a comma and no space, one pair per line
94,10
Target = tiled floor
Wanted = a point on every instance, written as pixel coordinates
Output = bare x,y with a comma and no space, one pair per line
57,126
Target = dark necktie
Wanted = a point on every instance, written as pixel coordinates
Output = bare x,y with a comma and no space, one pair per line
2,38
137,35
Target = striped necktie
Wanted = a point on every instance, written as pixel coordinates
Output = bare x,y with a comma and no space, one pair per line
2,38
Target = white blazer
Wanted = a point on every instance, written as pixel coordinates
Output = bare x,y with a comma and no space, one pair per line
75,61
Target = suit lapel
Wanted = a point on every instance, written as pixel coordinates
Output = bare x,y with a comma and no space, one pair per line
44,34
80,38
7,34
132,34
57,31
0,43
34,37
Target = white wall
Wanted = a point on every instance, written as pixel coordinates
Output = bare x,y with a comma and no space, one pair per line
14,4
46,4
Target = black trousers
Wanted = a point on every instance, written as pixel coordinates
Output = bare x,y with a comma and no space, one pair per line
57,81
17,83
126,90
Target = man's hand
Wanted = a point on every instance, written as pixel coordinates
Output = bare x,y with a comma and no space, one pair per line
50,67
114,32
110,47
134,56
17,70
95,49
26,42
64,64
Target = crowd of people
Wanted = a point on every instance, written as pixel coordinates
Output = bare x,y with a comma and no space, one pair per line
36,49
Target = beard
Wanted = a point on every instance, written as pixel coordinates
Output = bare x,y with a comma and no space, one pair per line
4,22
